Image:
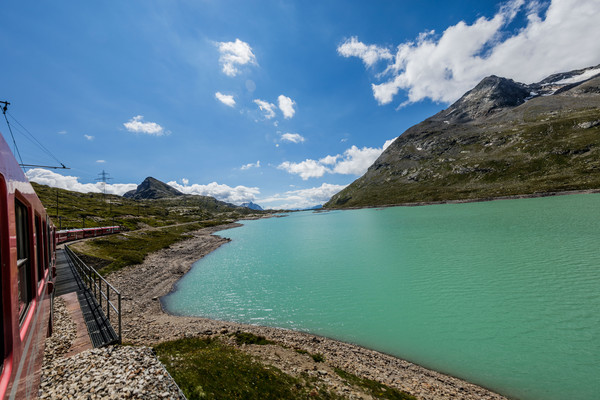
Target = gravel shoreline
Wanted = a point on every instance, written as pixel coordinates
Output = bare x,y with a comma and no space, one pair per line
112,372
146,323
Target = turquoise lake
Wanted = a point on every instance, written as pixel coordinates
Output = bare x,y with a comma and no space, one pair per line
505,294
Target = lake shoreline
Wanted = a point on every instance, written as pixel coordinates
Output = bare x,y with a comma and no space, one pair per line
475,200
145,322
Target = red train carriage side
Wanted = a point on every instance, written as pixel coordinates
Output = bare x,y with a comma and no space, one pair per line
68,235
27,260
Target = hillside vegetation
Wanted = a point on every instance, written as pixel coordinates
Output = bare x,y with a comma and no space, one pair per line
76,210
148,224
495,141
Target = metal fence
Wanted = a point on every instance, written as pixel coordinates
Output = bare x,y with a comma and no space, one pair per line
104,292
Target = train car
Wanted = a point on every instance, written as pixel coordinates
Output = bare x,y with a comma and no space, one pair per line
68,235
27,259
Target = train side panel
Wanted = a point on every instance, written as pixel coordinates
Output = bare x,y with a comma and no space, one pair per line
68,235
27,261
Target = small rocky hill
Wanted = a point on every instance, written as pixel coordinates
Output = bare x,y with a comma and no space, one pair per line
501,138
152,188
252,206
166,196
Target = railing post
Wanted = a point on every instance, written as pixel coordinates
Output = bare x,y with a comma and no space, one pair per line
108,302
120,337
92,278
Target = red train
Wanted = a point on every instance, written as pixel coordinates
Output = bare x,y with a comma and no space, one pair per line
28,242
27,249
75,234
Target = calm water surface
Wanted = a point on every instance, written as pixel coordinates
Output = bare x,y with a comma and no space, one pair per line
505,294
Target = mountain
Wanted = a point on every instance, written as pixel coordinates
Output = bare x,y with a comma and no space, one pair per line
501,138
252,206
152,188
171,199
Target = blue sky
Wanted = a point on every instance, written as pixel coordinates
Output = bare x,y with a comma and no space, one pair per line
278,102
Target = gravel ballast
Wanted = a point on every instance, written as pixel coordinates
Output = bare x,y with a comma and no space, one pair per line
113,372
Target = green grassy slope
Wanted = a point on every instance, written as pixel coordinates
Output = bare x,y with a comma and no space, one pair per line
547,144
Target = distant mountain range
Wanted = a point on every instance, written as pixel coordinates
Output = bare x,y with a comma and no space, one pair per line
501,138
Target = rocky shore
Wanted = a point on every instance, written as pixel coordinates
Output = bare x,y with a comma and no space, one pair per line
146,323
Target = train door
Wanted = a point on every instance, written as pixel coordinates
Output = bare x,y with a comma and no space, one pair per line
39,261
47,258
25,291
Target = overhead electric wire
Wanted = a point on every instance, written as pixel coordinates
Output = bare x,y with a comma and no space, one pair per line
10,130
29,136
32,138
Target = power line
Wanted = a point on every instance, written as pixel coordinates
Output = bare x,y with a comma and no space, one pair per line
16,149
33,139
29,136
103,177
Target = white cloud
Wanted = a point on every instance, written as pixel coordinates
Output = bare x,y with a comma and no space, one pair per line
302,198
356,161
353,161
443,67
234,54
266,107
234,195
88,137
329,160
100,161
306,169
250,165
226,99
292,137
62,132
185,181
286,105
53,179
369,54
137,125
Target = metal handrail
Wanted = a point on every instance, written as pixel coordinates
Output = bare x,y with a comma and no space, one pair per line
95,283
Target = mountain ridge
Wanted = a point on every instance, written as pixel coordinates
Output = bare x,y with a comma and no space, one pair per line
152,188
252,206
501,138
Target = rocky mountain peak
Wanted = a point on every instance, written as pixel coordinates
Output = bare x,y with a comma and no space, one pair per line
501,138
252,206
152,188
492,94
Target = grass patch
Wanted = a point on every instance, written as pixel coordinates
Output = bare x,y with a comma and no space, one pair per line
209,369
548,153
250,338
376,389
70,210
317,357
114,252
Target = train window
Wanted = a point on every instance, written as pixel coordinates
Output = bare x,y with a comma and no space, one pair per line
47,244
38,247
23,263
